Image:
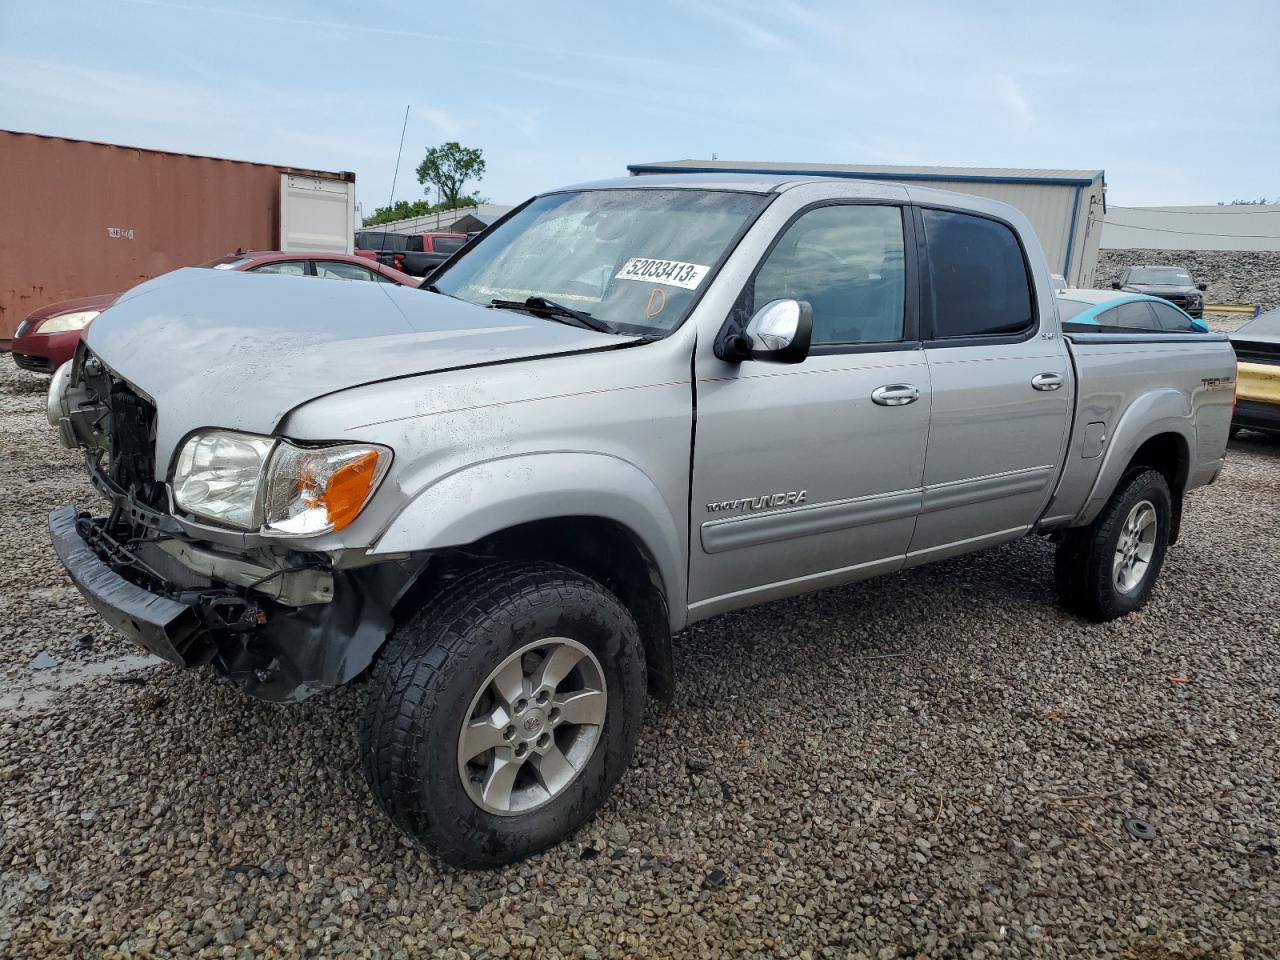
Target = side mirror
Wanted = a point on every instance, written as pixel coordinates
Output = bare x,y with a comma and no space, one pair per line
779,332
1115,284
1202,287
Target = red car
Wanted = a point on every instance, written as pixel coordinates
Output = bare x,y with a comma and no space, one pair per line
47,339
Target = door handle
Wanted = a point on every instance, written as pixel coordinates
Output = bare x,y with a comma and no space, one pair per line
1046,381
895,394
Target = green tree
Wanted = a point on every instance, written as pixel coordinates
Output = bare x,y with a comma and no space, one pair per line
448,167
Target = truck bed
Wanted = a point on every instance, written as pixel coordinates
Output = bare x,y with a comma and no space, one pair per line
1115,409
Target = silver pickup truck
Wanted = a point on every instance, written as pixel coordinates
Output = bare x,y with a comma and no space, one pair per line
629,406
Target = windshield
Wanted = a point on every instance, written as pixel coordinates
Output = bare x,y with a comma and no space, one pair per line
1167,275
634,259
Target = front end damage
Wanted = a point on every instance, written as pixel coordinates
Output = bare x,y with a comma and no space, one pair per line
279,622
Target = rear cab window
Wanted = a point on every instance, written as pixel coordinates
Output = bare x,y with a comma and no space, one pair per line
447,244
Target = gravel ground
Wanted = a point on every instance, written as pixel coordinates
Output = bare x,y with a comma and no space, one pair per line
936,764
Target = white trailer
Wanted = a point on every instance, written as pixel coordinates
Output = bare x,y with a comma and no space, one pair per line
317,213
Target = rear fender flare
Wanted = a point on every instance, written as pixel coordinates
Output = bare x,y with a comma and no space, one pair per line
1152,414
486,498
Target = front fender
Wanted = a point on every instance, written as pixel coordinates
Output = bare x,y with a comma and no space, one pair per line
1152,414
489,497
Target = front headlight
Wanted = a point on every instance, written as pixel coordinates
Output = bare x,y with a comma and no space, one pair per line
66,322
275,486
313,490
218,476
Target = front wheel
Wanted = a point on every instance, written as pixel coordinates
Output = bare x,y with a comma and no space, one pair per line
502,715
1109,568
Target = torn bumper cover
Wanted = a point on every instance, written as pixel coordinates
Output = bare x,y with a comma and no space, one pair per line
272,651
159,624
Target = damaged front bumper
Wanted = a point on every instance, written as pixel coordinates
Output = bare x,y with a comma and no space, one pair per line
161,625
295,633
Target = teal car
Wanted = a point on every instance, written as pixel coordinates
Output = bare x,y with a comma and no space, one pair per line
1124,312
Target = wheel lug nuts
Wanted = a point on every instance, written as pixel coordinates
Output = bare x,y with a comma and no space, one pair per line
542,697
544,741
521,706
554,715
521,749
508,733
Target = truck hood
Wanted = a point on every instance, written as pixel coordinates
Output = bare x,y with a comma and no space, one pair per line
239,350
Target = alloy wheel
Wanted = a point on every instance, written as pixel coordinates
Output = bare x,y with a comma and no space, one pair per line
1135,548
532,726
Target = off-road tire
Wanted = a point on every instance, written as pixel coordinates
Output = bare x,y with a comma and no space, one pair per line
426,676
1083,565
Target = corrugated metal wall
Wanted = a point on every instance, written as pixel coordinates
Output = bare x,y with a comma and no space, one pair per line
84,218
1239,227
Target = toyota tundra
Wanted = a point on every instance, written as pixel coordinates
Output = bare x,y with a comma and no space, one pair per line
628,406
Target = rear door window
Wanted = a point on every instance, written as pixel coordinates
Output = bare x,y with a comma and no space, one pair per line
1126,318
977,279
1135,315
1172,319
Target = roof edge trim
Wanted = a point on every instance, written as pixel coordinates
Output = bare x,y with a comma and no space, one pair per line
863,175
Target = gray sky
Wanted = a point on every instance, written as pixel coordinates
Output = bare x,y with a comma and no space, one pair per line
1174,100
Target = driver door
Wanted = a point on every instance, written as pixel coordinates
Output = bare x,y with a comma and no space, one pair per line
803,475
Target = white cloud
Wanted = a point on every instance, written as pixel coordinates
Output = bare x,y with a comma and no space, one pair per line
343,27
748,28
443,122
1011,96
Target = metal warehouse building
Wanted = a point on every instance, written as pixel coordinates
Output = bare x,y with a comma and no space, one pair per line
1065,206
1225,227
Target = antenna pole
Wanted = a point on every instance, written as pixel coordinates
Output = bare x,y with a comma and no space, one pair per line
392,199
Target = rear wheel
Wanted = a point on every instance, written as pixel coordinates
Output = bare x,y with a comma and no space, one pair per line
503,714
1109,568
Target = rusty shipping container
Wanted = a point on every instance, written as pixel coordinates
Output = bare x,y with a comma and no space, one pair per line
79,218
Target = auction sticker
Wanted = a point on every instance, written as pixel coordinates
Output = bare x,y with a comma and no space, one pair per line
673,273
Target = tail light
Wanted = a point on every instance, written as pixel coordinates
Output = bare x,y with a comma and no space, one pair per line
399,259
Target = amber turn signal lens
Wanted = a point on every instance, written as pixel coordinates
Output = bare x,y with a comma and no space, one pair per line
348,489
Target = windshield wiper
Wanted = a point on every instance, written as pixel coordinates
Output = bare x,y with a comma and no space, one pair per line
542,307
